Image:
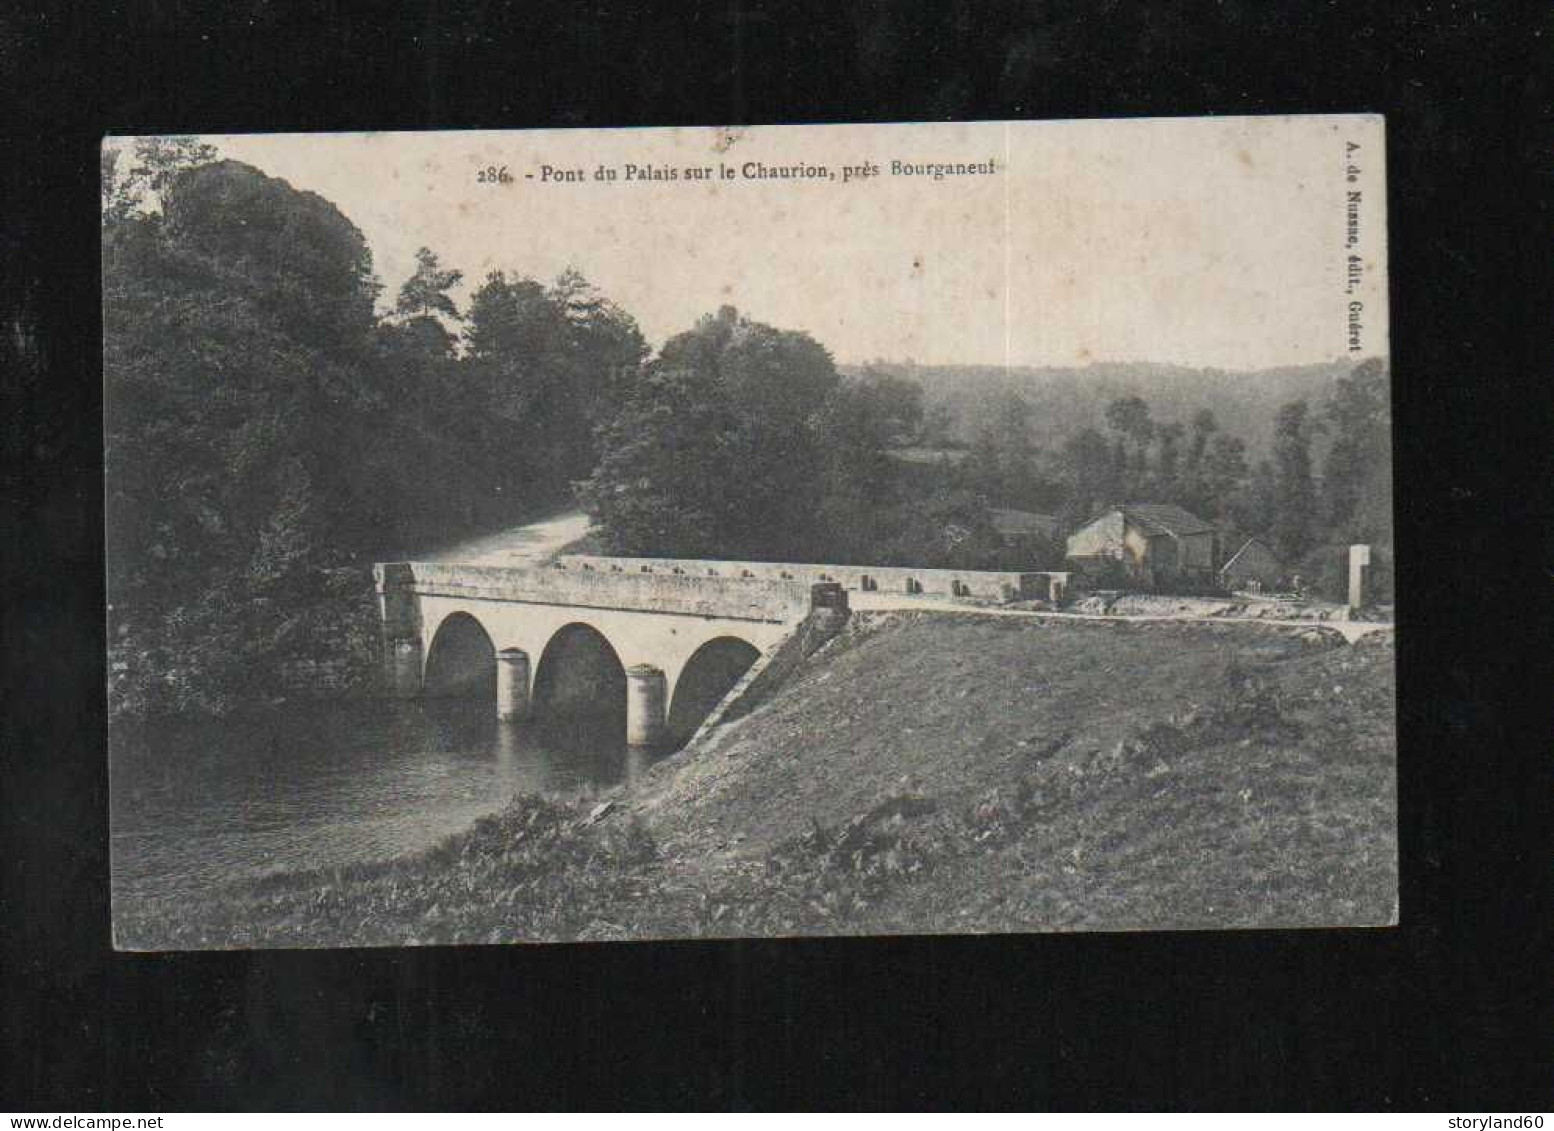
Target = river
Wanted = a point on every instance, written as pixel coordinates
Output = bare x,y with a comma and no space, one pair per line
195,804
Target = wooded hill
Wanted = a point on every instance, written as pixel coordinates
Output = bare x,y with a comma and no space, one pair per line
1066,400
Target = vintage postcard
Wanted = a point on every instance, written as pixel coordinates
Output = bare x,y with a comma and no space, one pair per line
759,531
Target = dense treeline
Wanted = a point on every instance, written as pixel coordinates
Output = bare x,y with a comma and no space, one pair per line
1064,400
272,429
269,433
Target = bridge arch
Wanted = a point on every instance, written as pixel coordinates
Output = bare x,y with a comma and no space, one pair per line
580,684
708,675
461,662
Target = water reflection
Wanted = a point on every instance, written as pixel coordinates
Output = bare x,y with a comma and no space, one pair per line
198,804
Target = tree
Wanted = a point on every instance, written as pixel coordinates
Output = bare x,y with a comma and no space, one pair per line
938,428
778,376
981,472
117,204
551,361
1356,490
1129,417
605,348
860,484
517,333
515,341
775,382
1129,420
1019,480
1294,519
1090,476
133,178
425,293
895,404
1224,471
754,464
668,481
291,252
1168,462
237,358
1204,427
1359,413
1194,489
1251,507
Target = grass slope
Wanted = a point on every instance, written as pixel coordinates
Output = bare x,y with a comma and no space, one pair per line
1056,775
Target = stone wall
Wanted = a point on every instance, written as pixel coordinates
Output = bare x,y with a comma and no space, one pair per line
991,584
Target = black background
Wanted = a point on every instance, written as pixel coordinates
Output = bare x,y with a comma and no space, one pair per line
1450,1010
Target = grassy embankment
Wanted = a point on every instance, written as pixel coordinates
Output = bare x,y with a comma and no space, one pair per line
931,772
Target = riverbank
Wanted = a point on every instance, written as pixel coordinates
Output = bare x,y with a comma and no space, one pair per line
928,772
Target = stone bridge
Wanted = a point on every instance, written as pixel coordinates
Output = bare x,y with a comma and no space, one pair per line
659,641
661,649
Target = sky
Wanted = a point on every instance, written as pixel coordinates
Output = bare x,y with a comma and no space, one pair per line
1216,242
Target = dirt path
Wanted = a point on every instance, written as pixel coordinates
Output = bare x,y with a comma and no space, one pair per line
884,602
531,544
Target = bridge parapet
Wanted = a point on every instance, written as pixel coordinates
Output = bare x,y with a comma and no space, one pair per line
771,600
989,584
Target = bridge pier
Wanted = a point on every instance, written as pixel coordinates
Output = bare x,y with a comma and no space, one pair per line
647,711
512,685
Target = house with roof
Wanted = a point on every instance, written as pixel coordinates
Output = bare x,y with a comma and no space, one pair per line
1253,566
1152,543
